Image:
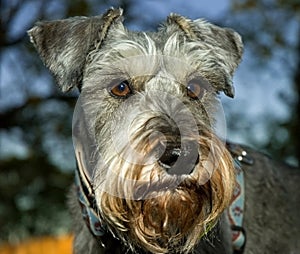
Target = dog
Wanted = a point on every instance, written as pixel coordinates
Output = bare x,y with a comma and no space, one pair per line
154,172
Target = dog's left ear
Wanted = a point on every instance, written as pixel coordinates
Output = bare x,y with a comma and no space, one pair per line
63,45
225,42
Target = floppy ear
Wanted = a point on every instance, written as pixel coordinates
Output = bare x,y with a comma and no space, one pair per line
226,43
63,45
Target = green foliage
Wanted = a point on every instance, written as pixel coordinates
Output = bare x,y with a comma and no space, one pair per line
33,195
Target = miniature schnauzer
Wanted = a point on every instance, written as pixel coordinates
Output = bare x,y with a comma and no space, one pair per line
154,172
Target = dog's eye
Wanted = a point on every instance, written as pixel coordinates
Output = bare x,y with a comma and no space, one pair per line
121,89
196,88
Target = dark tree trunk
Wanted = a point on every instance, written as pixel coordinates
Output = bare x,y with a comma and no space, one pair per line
296,126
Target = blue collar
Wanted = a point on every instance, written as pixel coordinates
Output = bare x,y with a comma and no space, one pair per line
87,202
235,211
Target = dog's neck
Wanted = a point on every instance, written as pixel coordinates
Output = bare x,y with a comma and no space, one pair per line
98,229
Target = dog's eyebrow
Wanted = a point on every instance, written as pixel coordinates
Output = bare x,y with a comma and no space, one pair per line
101,79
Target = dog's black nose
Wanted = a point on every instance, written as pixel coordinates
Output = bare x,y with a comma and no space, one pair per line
170,156
179,160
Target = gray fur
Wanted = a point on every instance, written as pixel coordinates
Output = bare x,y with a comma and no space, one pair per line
64,44
90,53
271,219
272,206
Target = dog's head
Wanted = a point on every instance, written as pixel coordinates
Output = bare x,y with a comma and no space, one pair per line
144,125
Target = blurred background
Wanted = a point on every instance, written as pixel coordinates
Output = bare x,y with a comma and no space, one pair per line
36,153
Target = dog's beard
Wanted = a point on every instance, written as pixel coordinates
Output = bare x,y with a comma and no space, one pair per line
145,206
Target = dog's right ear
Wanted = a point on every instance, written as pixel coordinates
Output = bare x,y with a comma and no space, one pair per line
63,45
227,45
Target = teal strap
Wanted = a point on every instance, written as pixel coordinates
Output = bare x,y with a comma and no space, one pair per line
88,208
236,209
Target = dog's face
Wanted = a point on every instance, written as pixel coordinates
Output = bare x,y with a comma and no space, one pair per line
144,125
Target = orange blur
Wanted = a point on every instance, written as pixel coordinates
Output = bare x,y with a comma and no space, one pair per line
41,245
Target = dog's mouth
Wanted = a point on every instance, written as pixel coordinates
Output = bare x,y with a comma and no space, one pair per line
178,159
